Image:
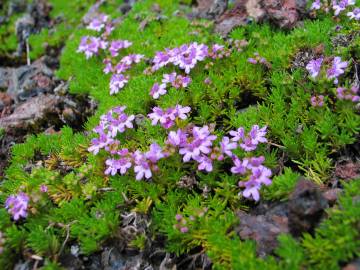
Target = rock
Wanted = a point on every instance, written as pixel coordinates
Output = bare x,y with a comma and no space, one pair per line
23,27
16,6
283,13
210,9
306,207
231,18
355,265
44,111
332,195
263,225
27,81
5,101
347,170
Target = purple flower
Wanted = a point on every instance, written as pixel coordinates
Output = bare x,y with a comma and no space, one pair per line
341,5
181,81
200,143
178,217
91,46
240,167
100,143
355,14
317,101
316,5
169,78
142,166
155,153
257,134
226,146
252,61
205,163
261,175
108,66
177,138
167,118
116,121
185,57
184,229
158,115
115,165
98,23
238,135
117,45
314,67
117,82
348,94
158,90
207,80
251,189
43,188
131,59
17,205
121,67
338,68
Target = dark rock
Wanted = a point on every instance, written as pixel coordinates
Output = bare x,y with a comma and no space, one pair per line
263,225
23,28
40,12
27,81
283,13
306,207
43,111
210,9
70,262
16,6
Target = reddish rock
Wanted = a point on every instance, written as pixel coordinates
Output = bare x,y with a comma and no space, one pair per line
283,13
348,170
332,195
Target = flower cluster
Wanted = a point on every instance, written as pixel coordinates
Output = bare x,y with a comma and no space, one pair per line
168,117
333,71
98,23
348,93
176,81
111,123
255,173
91,46
185,56
338,6
193,143
17,205
317,101
181,224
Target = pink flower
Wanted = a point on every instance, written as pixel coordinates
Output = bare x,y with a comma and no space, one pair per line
158,90
317,101
314,67
117,82
17,205
117,45
43,188
226,146
98,23
338,68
